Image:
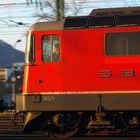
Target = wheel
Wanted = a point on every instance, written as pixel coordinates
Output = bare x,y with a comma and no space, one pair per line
131,121
18,119
60,132
62,125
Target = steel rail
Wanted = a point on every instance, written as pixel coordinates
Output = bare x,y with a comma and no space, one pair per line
43,137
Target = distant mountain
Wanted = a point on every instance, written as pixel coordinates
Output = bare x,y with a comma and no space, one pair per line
9,55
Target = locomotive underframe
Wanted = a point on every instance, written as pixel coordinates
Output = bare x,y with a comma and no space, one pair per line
77,102
88,114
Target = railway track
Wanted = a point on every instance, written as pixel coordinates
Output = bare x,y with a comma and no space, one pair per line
42,137
6,125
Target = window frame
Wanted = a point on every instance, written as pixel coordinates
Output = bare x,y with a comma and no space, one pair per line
51,48
28,49
117,55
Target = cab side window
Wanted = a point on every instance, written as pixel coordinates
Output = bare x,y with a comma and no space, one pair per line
50,48
122,44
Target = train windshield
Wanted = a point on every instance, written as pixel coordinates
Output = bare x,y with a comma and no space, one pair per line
29,57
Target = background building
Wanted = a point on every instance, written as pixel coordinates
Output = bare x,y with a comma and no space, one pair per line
6,80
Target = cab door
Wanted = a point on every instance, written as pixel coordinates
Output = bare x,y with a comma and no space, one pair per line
51,62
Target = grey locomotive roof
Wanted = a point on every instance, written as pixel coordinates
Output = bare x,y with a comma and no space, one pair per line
98,18
52,25
115,11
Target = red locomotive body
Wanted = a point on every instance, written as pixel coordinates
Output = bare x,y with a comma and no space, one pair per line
83,75
84,64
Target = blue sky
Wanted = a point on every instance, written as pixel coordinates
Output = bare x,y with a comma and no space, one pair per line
12,11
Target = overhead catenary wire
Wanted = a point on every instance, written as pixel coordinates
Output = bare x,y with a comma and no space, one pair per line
31,7
29,11
22,11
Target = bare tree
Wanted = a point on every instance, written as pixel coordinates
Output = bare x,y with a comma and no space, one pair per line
54,9
72,8
58,9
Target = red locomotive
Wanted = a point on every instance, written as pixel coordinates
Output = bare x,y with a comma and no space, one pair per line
82,76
